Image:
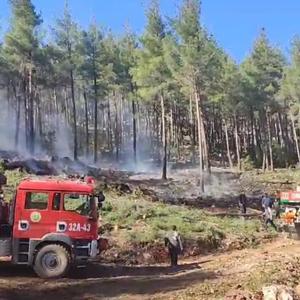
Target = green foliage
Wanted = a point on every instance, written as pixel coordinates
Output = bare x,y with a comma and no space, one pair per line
151,73
197,57
147,222
67,37
21,41
20,50
13,180
263,71
128,46
2,166
289,89
247,163
228,93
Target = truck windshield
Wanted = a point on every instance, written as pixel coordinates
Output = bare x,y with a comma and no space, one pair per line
82,204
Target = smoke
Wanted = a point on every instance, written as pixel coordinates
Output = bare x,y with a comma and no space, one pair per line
63,137
8,128
56,138
220,184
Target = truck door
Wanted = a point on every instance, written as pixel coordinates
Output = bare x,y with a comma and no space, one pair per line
76,216
33,220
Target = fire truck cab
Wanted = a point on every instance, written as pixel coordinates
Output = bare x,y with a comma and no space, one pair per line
51,225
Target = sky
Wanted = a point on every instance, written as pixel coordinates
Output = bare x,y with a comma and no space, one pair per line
234,23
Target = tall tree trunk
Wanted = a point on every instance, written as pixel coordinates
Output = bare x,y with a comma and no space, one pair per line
56,109
237,143
87,136
255,143
193,130
253,135
55,102
281,136
267,159
227,144
26,110
117,130
171,129
198,113
205,144
95,118
295,136
109,127
18,115
65,102
134,130
164,138
74,116
157,135
270,141
39,115
264,161
244,136
31,112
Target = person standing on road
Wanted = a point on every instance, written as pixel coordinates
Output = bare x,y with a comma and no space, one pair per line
267,205
174,244
243,203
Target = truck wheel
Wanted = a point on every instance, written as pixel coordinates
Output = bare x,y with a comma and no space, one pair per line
52,261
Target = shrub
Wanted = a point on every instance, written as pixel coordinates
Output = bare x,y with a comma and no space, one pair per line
247,163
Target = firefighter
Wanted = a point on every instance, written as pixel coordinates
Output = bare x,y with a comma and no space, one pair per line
174,244
267,205
277,205
101,199
243,203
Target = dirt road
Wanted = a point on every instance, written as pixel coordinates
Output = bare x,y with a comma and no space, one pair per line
208,277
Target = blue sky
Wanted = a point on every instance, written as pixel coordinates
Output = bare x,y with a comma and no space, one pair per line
234,23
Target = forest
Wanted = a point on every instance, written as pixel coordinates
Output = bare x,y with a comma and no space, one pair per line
172,94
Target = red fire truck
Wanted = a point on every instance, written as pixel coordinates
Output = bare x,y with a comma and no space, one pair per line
52,225
290,210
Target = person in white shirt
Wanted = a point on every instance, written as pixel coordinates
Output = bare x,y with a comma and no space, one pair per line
174,244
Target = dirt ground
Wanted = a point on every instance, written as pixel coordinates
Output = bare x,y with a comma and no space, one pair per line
206,277
214,276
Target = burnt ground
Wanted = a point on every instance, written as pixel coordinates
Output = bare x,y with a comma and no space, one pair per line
222,187
182,187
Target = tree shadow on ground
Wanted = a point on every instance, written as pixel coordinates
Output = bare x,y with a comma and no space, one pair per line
103,282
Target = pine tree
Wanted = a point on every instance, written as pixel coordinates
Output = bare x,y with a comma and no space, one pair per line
67,38
151,74
290,94
228,95
93,65
197,61
263,71
20,51
128,46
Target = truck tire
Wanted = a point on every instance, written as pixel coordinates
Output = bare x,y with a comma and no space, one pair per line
52,261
